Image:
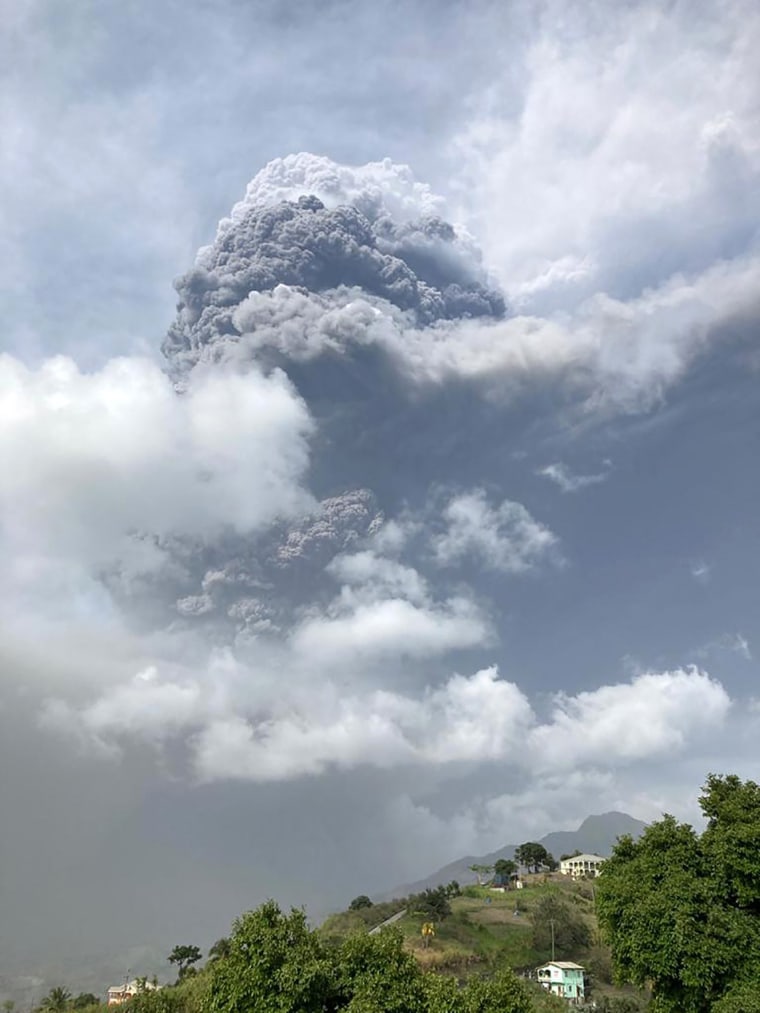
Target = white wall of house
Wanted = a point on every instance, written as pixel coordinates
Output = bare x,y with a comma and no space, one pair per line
581,865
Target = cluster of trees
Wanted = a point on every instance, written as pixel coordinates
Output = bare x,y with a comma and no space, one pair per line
681,910
59,1000
535,856
558,929
433,903
531,854
276,964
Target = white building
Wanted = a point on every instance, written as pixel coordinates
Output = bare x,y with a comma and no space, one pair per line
118,994
581,865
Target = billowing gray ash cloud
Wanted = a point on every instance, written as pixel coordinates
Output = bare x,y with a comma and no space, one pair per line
419,267
310,274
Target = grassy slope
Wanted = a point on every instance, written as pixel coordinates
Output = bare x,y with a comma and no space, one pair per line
484,932
483,927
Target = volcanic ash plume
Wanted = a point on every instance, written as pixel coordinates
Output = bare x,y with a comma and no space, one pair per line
290,261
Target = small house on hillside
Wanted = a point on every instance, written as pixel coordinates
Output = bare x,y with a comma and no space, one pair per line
118,994
581,865
563,978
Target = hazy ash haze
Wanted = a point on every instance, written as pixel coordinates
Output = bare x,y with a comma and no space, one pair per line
420,515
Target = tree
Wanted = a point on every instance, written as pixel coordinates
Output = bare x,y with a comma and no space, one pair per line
8,1005
377,975
362,901
220,949
481,871
553,917
682,911
453,889
57,1000
184,957
276,964
442,994
504,869
533,855
503,993
744,999
433,903
731,841
164,1000
85,999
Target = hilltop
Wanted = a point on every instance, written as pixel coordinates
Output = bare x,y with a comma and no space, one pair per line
596,834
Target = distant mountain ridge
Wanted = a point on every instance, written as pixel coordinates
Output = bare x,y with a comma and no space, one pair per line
596,835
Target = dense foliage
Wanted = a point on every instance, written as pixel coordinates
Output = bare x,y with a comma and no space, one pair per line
503,869
682,911
276,964
184,957
535,856
554,921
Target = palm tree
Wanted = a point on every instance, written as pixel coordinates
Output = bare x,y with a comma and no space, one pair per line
57,1000
221,949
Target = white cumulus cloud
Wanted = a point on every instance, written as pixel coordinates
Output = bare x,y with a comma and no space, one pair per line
501,537
654,714
89,460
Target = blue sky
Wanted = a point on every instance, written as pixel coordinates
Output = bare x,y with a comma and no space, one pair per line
365,571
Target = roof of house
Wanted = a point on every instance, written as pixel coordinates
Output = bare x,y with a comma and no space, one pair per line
133,985
583,858
567,965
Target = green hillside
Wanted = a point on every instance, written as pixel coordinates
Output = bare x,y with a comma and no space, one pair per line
488,930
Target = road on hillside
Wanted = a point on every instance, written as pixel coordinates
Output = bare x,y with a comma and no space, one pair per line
388,921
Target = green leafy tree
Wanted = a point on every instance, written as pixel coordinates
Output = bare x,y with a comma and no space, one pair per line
163,1000
85,999
433,904
503,993
377,975
481,871
533,855
442,994
682,912
275,965
362,901
504,869
220,949
570,930
8,1005
619,1004
453,889
184,957
57,1000
743,999
731,841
